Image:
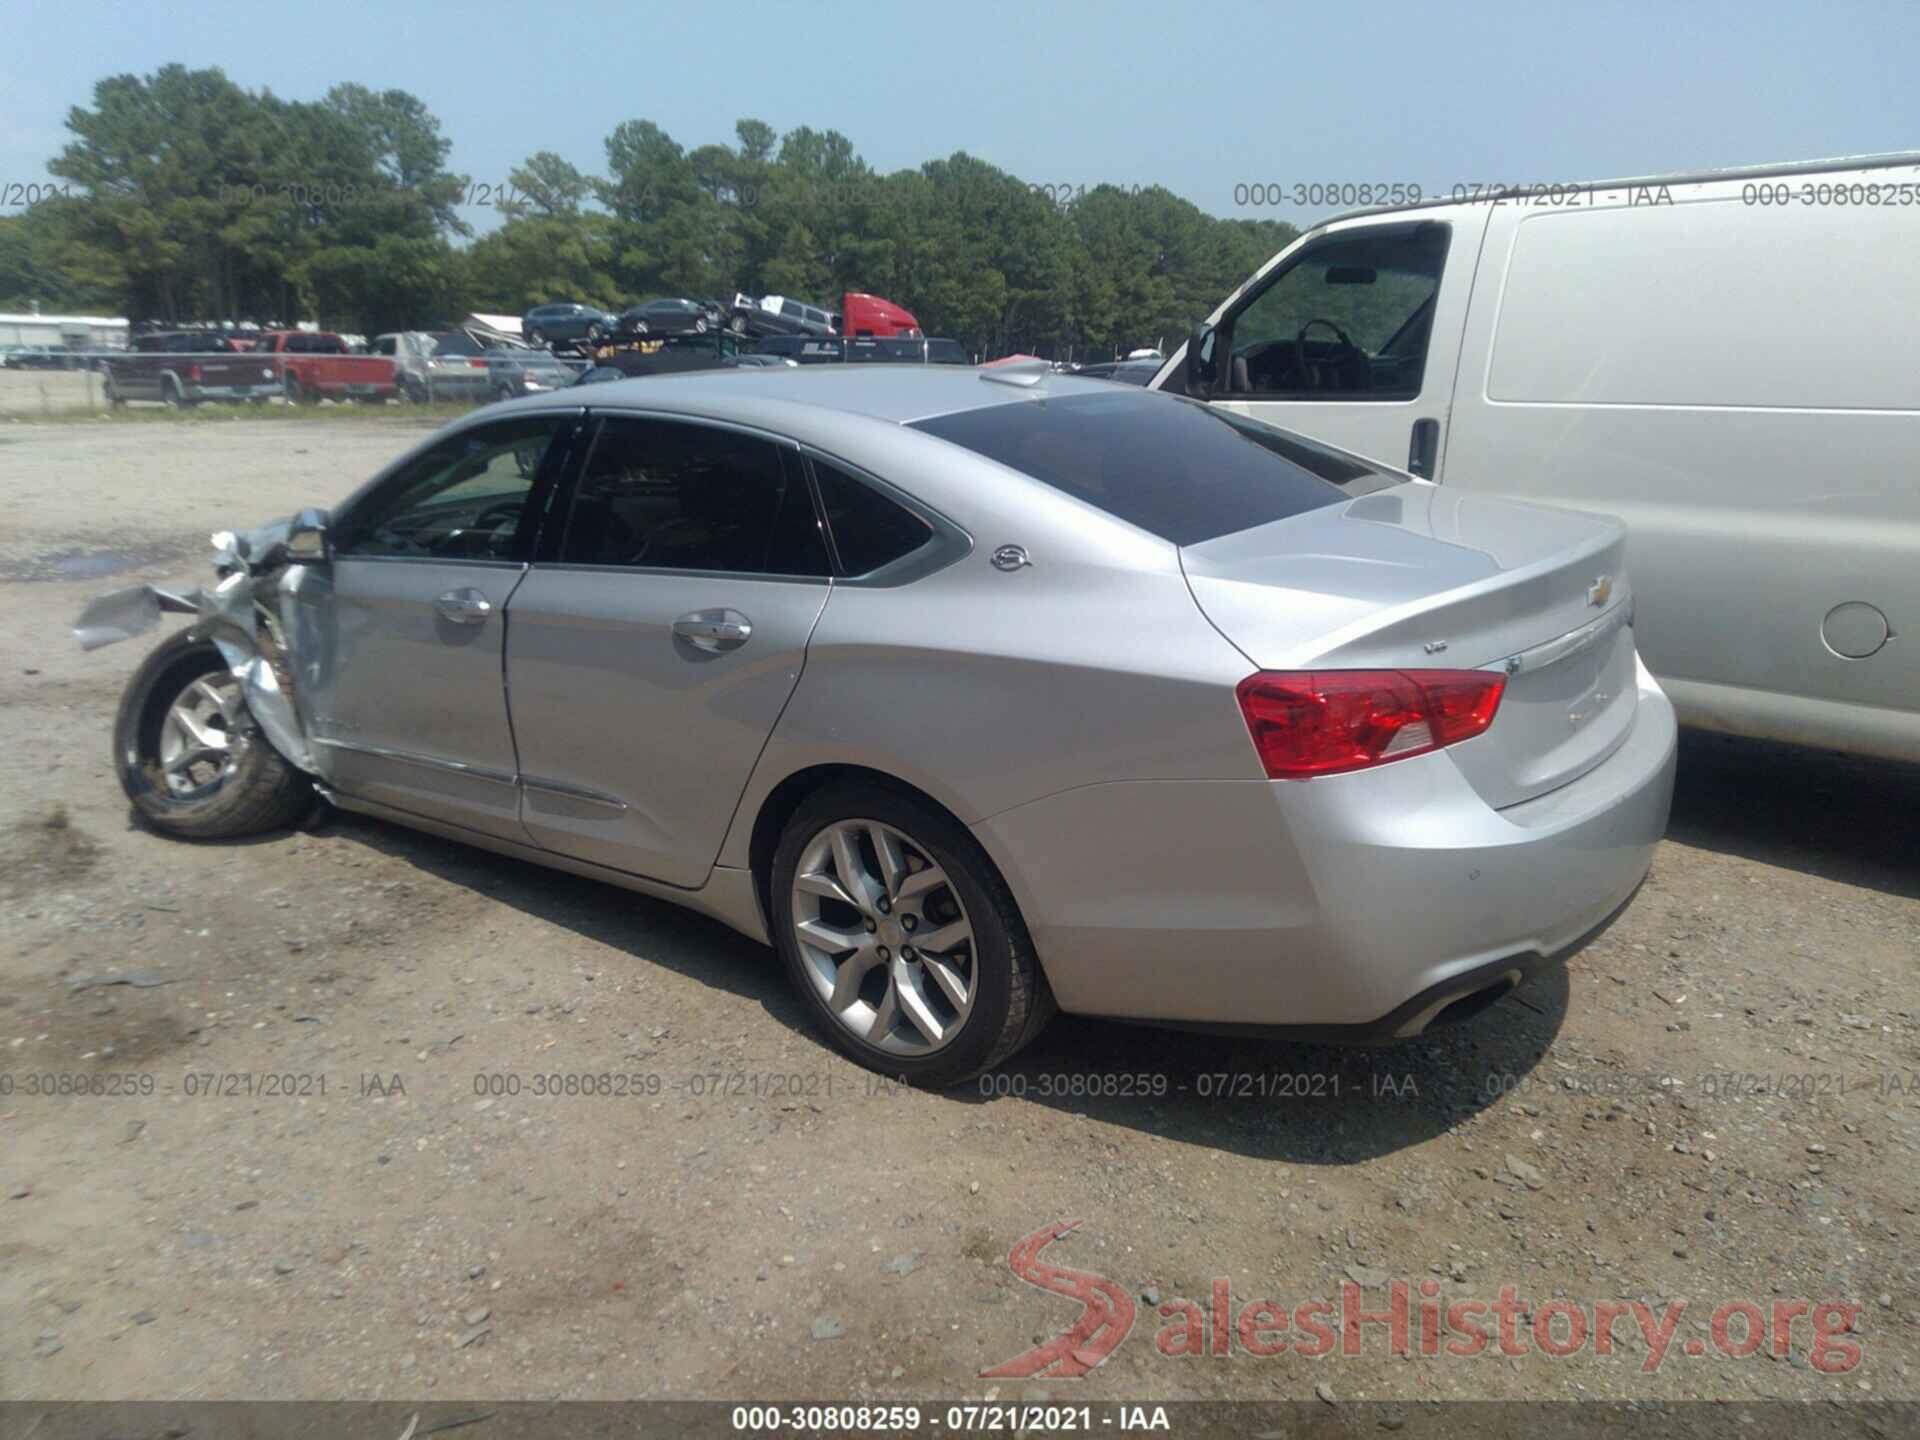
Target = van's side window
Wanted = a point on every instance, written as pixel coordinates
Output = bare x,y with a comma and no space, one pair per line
1349,319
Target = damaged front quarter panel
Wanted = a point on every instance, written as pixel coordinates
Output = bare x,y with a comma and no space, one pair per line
249,614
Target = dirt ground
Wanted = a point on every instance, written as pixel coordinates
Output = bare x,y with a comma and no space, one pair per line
1715,1103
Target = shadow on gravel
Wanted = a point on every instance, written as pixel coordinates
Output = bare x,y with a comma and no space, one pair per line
1271,1100
1307,1104
1834,816
652,931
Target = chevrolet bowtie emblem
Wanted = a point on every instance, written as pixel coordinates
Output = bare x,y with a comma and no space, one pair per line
1600,591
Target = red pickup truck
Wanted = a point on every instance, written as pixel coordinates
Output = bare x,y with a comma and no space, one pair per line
315,365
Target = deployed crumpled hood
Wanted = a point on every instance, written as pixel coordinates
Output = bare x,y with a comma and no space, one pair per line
254,594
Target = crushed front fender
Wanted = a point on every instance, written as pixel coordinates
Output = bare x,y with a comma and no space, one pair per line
246,615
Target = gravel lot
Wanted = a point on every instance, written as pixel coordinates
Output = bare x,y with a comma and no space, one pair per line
1716,1102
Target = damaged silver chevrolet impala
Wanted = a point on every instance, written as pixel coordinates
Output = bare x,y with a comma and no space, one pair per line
972,694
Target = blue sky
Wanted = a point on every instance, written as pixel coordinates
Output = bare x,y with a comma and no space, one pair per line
1199,98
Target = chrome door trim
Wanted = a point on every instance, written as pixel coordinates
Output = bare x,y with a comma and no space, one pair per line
427,762
572,792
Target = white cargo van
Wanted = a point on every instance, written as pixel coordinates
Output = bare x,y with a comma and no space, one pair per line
1728,361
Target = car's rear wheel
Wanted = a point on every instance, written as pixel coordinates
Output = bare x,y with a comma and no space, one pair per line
594,332
112,394
189,755
296,392
904,942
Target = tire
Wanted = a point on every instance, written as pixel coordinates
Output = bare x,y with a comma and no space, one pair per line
537,337
296,392
113,396
594,334
699,327
170,393
738,324
503,392
1008,1000
244,790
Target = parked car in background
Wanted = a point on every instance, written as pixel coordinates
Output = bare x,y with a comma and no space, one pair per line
1720,364
565,321
433,365
673,316
762,635
1127,372
187,367
756,361
778,315
43,357
316,365
513,372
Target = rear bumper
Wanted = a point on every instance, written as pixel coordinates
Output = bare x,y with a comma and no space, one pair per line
477,382
353,389
232,392
1355,906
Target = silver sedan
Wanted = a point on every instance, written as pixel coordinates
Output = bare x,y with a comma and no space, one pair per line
976,694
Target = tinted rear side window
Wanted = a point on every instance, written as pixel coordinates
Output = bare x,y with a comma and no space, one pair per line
869,530
662,495
1176,469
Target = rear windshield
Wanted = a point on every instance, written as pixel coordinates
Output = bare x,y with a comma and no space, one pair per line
1175,468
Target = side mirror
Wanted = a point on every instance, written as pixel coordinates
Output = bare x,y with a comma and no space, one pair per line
1203,363
307,539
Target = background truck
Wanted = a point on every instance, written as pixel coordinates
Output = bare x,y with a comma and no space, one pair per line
316,365
186,367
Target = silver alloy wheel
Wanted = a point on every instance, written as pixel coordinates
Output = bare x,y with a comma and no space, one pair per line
884,937
201,737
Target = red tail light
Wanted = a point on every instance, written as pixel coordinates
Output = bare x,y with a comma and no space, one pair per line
193,373
476,364
1325,722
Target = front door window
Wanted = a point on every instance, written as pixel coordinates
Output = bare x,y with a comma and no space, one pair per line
1348,320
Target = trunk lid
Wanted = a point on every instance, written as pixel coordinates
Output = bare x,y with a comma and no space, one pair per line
1426,577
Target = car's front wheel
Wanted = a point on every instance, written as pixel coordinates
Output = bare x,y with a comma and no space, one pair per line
904,942
189,755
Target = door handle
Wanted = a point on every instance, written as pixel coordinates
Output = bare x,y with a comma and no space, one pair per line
714,631
465,606
1424,449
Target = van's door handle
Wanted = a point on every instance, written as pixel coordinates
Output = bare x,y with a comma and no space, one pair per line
1424,449
714,631
465,606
